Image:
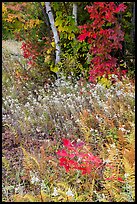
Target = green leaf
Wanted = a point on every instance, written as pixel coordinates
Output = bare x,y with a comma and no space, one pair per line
65,35
71,36
58,22
128,14
109,24
58,13
61,29
54,69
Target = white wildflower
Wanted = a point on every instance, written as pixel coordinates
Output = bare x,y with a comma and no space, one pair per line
19,189
118,93
34,180
91,129
69,193
55,193
113,145
108,150
126,175
122,129
107,160
39,98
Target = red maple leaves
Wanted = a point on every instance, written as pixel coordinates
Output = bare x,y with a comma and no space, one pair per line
76,156
30,52
105,36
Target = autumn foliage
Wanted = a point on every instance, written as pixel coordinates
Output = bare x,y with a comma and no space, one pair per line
104,35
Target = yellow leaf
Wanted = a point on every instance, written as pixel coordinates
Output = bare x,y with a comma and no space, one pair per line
49,51
54,69
53,44
4,9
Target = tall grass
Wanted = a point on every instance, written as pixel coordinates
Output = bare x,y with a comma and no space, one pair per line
101,117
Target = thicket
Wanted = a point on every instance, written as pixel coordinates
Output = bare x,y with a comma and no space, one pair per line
109,37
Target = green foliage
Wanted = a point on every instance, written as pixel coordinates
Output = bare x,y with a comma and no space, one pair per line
70,66
129,44
66,26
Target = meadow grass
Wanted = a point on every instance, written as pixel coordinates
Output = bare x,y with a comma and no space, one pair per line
35,121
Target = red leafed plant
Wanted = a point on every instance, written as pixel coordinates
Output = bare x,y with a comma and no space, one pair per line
76,156
29,52
104,35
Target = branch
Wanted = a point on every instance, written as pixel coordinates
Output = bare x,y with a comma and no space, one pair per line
45,20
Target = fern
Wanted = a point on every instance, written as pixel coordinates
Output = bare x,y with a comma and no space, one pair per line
42,197
85,124
6,163
30,162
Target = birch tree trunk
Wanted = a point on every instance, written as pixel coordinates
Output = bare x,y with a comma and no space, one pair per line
74,13
54,30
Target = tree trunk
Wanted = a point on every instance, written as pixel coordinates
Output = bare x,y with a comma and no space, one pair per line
54,30
74,13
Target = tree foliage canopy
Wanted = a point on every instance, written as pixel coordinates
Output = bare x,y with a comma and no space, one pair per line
29,22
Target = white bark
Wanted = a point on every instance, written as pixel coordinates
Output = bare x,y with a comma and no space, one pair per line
74,13
54,30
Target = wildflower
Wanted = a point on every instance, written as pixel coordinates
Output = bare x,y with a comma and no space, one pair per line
64,162
34,180
113,178
55,193
107,160
43,185
91,129
126,175
85,168
113,145
122,129
118,93
19,189
69,193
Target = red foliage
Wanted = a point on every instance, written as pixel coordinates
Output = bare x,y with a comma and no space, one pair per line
85,162
30,52
76,157
105,36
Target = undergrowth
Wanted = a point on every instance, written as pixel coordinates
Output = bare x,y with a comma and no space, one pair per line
100,118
